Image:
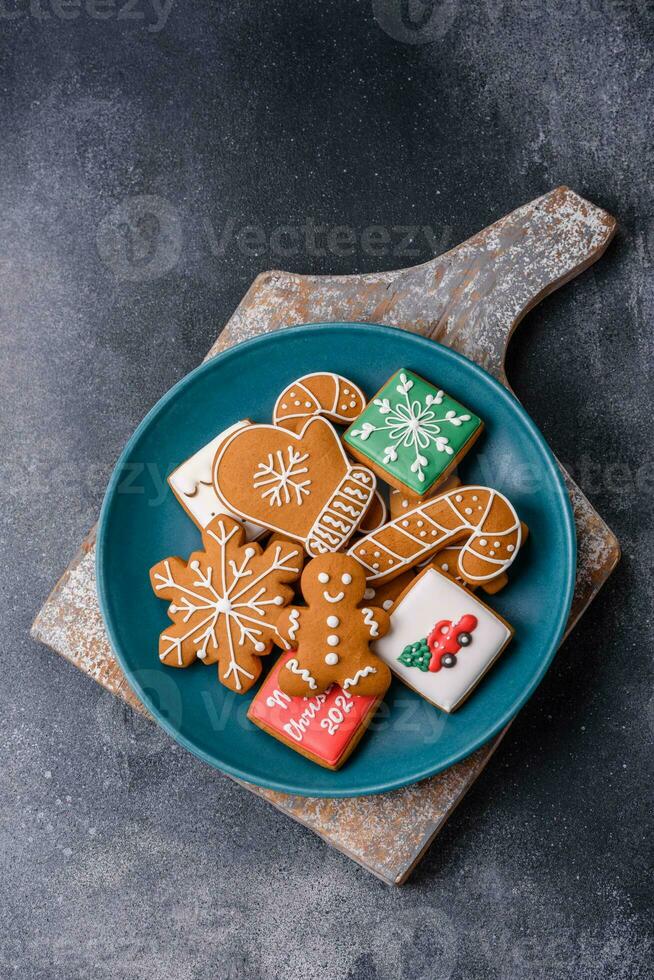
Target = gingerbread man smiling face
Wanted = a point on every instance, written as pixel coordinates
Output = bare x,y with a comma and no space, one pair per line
331,635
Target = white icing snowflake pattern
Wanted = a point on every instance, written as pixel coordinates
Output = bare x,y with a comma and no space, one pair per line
222,608
412,425
280,477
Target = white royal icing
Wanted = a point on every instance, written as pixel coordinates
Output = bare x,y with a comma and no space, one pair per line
360,674
192,485
302,672
434,597
296,728
370,622
282,477
294,617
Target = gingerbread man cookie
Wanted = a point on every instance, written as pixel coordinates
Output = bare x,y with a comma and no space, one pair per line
225,602
330,637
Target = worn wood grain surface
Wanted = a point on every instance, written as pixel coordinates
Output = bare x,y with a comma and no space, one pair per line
471,299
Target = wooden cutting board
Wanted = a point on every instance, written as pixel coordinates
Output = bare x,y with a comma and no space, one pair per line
471,299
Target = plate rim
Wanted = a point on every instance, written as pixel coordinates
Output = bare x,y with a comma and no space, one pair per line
379,785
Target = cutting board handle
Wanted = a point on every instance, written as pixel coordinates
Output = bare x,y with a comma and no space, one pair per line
471,298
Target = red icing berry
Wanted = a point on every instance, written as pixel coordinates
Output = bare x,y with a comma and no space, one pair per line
446,639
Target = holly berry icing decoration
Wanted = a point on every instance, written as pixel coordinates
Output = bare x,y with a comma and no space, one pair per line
330,637
461,639
225,602
412,434
440,647
301,485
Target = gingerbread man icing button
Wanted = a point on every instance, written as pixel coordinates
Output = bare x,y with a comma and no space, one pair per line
330,637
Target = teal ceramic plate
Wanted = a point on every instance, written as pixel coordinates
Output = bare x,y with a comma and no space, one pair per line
141,523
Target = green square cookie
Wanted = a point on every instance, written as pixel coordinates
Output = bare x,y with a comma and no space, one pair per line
412,434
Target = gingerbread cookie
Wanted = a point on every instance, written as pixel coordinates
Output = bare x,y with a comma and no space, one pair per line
331,395
331,635
192,484
442,639
324,728
399,501
412,434
485,519
376,515
299,484
226,601
384,595
446,561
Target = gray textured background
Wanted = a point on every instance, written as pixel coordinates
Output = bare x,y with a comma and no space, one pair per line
121,855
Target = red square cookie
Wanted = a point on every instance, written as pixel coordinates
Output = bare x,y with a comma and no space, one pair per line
325,728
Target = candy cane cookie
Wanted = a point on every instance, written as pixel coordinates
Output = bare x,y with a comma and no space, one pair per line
399,501
483,518
331,395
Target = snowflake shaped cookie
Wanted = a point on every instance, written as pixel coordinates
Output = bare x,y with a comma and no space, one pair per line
225,602
412,433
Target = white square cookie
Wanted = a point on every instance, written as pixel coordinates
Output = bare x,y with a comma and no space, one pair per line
192,484
447,639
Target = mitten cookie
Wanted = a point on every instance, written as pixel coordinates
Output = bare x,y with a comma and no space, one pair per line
330,637
412,434
226,601
301,485
485,519
331,395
